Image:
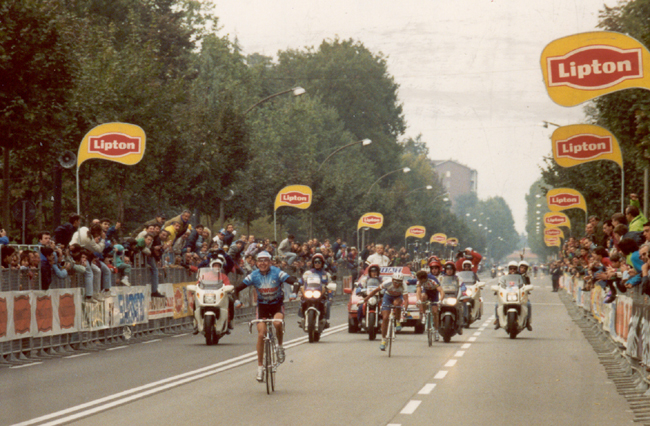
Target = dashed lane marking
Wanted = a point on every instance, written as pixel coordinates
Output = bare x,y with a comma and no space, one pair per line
117,348
181,335
459,354
472,339
426,390
411,407
152,341
440,374
450,363
76,356
466,346
26,365
478,333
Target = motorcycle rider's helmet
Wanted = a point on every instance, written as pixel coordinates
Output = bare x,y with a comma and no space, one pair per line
374,268
398,276
467,263
512,265
435,263
318,257
450,265
524,263
220,260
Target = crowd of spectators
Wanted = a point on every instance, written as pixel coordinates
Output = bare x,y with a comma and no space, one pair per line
612,254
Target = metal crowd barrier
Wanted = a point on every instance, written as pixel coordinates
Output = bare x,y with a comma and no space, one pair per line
30,349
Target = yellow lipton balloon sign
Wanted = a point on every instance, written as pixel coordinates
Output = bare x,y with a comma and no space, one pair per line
120,142
555,219
371,220
416,231
452,241
552,241
438,238
553,232
298,196
585,66
582,143
559,199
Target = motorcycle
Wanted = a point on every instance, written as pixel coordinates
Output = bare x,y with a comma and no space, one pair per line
473,292
314,305
211,304
512,303
494,272
450,311
371,309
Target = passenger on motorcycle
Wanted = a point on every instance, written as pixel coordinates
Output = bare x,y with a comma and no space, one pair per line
513,269
394,291
216,274
318,268
467,266
523,271
450,271
429,289
267,281
434,268
372,279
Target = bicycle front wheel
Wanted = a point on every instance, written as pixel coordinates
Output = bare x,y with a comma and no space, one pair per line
391,335
430,328
268,366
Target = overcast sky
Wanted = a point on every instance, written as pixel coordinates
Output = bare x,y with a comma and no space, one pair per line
468,70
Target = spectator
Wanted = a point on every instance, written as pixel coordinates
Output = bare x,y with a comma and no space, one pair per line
114,233
220,238
195,240
183,219
63,233
122,264
145,244
91,239
635,218
284,249
229,234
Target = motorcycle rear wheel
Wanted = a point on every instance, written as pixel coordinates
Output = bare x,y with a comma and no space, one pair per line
446,327
512,324
372,330
311,328
208,327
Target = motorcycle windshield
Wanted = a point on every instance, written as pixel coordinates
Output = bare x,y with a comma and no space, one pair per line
511,281
210,279
313,282
449,285
467,277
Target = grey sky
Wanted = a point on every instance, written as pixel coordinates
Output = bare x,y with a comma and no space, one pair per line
469,72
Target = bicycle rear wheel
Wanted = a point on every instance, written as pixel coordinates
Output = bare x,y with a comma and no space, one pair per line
268,365
391,335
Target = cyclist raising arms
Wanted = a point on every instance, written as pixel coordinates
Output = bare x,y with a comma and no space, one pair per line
267,281
393,295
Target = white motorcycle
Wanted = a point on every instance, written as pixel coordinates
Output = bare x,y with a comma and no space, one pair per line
473,292
211,304
512,303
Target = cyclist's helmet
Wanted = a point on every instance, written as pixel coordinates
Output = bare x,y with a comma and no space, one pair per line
374,267
467,263
398,276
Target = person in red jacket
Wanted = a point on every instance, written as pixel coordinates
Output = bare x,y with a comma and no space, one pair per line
470,255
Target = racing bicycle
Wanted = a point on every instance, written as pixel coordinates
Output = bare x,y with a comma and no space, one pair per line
270,359
428,322
392,319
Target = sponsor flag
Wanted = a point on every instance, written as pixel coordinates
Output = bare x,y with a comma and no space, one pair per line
452,241
552,241
416,231
582,143
559,199
298,196
556,219
553,232
438,238
585,66
371,220
120,142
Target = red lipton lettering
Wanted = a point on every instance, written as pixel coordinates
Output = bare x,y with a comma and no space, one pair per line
371,220
554,220
417,231
294,198
552,232
114,145
584,147
594,67
564,200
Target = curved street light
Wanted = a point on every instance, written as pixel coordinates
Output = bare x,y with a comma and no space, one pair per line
416,189
297,91
440,195
545,124
404,169
363,142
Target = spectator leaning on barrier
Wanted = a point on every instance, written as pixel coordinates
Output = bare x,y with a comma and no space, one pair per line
92,240
633,214
630,250
145,244
183,219
608,235
63,233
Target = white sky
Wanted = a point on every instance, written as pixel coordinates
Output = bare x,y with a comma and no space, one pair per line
468,70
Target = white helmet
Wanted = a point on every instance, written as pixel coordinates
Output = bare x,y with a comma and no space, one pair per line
513,264
467,262
398,276
524,263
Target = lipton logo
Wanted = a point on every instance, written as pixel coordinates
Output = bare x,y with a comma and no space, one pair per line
67,311
584,147
417,231
43,313
22,314
555,220
438,238
564,200
114,145
552,232
294,198
371,220
594,67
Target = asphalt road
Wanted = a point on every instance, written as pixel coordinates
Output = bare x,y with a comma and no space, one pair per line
548,376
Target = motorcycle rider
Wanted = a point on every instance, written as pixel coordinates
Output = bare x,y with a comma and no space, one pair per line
467,266
450,271
318,268
373,280
434,268
394,294
429,289
216,274
513,269
267,281
523,271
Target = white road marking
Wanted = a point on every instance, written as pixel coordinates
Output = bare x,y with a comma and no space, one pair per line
158,386
181,335
459,354
411,407
426,390
450,363
481,329
26,365
393,424
152,341
117,348
466,346
440,374
75,356
472,339
478,333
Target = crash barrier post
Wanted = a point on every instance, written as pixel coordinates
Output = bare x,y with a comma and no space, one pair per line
37,324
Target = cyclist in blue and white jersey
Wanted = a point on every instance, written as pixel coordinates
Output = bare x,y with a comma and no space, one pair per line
267,281
394,291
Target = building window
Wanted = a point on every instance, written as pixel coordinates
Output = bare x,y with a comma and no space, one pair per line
448,173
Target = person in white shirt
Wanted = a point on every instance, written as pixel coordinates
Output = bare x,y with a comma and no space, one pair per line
378,257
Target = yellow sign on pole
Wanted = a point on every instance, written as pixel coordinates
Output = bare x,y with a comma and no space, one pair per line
120,142
552,241
585,66
559,199
298,196
439,238
371,220
452,241
555,219
416,231
553,232
582,143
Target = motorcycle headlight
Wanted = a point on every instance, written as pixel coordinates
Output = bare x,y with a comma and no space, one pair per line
316,294
308,294
450,301
372,300
512,297
209,298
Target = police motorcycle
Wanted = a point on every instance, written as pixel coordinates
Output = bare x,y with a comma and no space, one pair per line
371,310
314,305
512,303
211,303
474,301
450,309
494,271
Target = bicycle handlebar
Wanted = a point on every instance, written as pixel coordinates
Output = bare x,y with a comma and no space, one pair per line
265,321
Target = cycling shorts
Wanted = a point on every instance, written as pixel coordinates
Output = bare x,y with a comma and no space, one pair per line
387,302
269,311
432,295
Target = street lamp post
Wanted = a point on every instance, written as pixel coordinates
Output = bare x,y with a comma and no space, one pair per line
297,91
417,189
545,124
404,169
363,142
